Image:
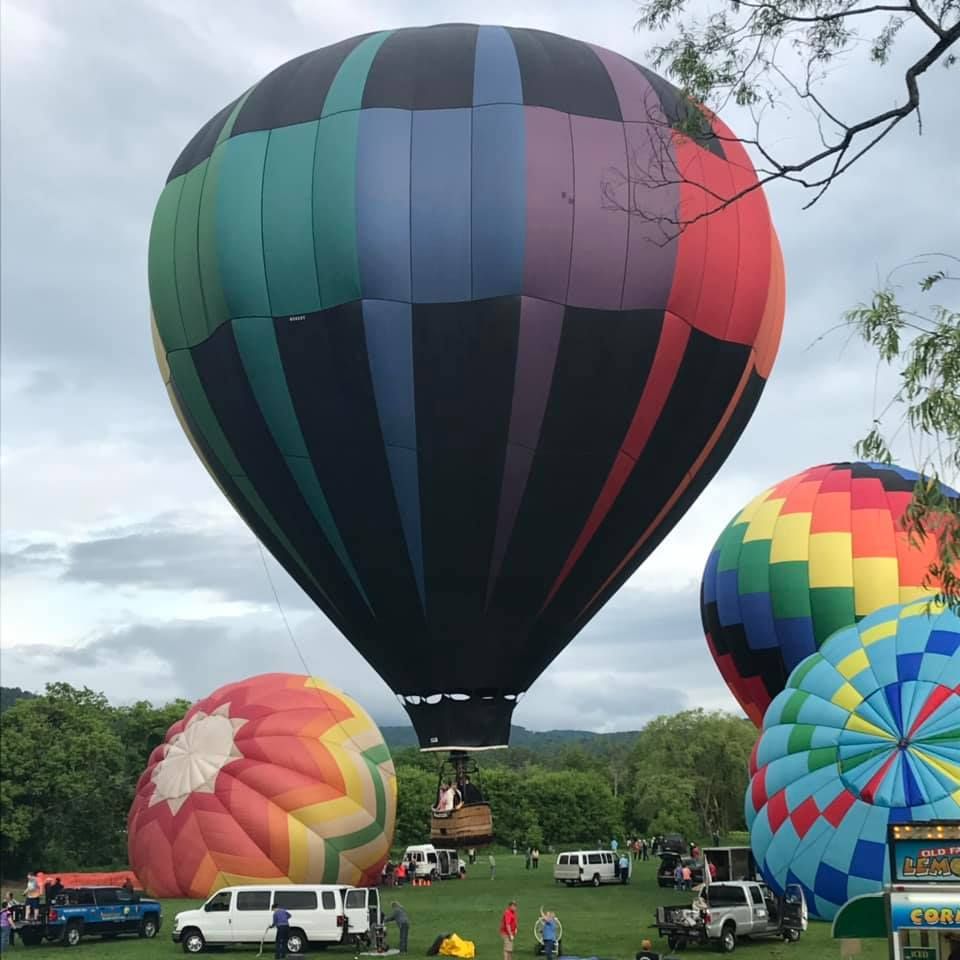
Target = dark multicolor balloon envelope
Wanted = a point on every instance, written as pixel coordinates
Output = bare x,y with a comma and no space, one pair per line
808,556
278,777
418,310
866,734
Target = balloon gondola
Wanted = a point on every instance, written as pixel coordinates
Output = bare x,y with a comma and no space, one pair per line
469,820
412,327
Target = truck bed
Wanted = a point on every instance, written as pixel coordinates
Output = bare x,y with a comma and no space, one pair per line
681,916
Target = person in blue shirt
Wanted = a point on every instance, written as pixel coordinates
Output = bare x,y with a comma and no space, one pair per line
549,919
400,918
281,920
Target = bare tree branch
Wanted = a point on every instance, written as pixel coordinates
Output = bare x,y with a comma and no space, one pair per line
726,59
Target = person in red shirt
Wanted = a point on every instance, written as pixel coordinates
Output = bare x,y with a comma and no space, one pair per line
508,929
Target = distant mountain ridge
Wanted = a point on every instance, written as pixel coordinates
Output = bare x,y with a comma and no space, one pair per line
398,737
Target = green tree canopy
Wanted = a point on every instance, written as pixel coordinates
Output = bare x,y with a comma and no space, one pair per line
690,772
65,782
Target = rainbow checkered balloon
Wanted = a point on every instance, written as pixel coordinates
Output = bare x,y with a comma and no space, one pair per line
866,734
279,777
808,556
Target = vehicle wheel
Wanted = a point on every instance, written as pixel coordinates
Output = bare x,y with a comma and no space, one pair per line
192,941
728,939
72,935
148,927
791,936
29,938
296,943
570,883
677,943
596,879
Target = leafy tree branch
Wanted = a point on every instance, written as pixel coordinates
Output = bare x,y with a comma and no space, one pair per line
925,343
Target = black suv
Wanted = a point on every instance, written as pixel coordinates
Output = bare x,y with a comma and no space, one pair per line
668,864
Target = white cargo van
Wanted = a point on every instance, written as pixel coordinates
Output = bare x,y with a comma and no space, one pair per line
589,866
236,915
429,862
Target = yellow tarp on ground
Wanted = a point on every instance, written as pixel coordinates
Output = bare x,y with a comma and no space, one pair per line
454,946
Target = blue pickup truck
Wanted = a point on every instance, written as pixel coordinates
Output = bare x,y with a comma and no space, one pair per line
90,911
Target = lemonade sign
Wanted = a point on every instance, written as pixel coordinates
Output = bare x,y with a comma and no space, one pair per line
922,861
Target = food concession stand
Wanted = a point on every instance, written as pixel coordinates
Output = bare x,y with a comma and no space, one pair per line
919,912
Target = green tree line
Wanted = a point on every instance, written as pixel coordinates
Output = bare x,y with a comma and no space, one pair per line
70,763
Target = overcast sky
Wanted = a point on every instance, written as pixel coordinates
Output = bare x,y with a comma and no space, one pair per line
123,567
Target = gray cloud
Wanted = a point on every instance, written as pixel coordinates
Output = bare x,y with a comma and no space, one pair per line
190,659
634,662
172,551
35,557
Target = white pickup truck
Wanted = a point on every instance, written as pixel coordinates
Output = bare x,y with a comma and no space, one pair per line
725,911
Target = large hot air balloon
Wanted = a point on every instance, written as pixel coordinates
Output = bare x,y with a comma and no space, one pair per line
278,777
418,311
810,555
866,734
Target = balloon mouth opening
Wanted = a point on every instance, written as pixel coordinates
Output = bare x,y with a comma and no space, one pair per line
903,743
463,721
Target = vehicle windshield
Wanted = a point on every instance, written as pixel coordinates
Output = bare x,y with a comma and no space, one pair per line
219,901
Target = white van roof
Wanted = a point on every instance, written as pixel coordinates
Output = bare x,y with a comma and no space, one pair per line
274,885
570,853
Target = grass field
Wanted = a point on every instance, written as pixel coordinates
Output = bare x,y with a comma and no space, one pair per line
605,922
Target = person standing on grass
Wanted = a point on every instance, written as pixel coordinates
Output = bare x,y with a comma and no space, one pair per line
508,929
535,858
549,932
492,860
6,924
400,918
281,921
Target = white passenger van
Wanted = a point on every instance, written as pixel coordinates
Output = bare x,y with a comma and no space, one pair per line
318,915
589,866
429,862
